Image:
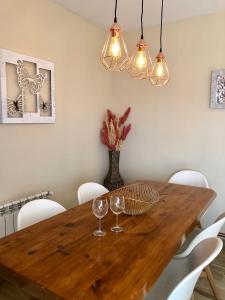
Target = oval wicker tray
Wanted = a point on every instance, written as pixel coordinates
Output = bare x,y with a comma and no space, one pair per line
139,198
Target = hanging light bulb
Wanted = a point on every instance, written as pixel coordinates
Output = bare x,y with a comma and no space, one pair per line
141,63
114,54
114,48
160,73
141,59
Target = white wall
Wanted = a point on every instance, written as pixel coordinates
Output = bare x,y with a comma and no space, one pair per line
173,127
56,157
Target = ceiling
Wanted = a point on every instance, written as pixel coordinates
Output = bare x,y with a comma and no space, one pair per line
100,12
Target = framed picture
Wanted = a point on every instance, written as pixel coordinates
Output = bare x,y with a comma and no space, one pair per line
27,89
218,89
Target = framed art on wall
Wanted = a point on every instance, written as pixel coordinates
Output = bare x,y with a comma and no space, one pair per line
27,89
218,89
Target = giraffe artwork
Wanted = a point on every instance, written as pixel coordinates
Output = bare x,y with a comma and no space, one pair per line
27,92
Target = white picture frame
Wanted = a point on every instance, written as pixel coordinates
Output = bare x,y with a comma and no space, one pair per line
34,82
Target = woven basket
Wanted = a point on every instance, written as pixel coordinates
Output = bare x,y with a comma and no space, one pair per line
139,198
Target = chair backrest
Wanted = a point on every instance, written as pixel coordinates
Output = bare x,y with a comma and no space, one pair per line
36,211
189,177
90,190
201,256
209,232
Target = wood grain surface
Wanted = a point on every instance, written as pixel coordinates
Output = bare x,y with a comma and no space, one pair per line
61,259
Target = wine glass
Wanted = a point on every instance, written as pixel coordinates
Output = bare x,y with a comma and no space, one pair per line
100,208
117,206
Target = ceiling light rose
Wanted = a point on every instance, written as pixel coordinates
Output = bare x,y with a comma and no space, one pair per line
160,73
114,54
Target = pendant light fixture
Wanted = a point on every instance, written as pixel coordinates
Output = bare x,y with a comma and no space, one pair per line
114,54
141,63
160,74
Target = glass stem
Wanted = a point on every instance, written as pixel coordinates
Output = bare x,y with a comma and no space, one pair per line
117,224
99,225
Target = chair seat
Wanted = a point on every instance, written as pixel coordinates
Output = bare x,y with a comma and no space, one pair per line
179,269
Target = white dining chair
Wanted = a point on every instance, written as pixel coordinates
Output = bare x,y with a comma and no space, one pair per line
90,190
192,178
189,177
196,236
36,211
199,234
178,280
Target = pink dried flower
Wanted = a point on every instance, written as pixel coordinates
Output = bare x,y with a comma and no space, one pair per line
112,133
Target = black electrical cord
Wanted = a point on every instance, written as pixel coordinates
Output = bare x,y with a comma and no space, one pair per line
115,16
142,11
161,26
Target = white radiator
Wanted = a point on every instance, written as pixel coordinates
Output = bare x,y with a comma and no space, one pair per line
9,212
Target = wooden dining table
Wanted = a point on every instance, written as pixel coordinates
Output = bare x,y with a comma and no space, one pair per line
60,258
